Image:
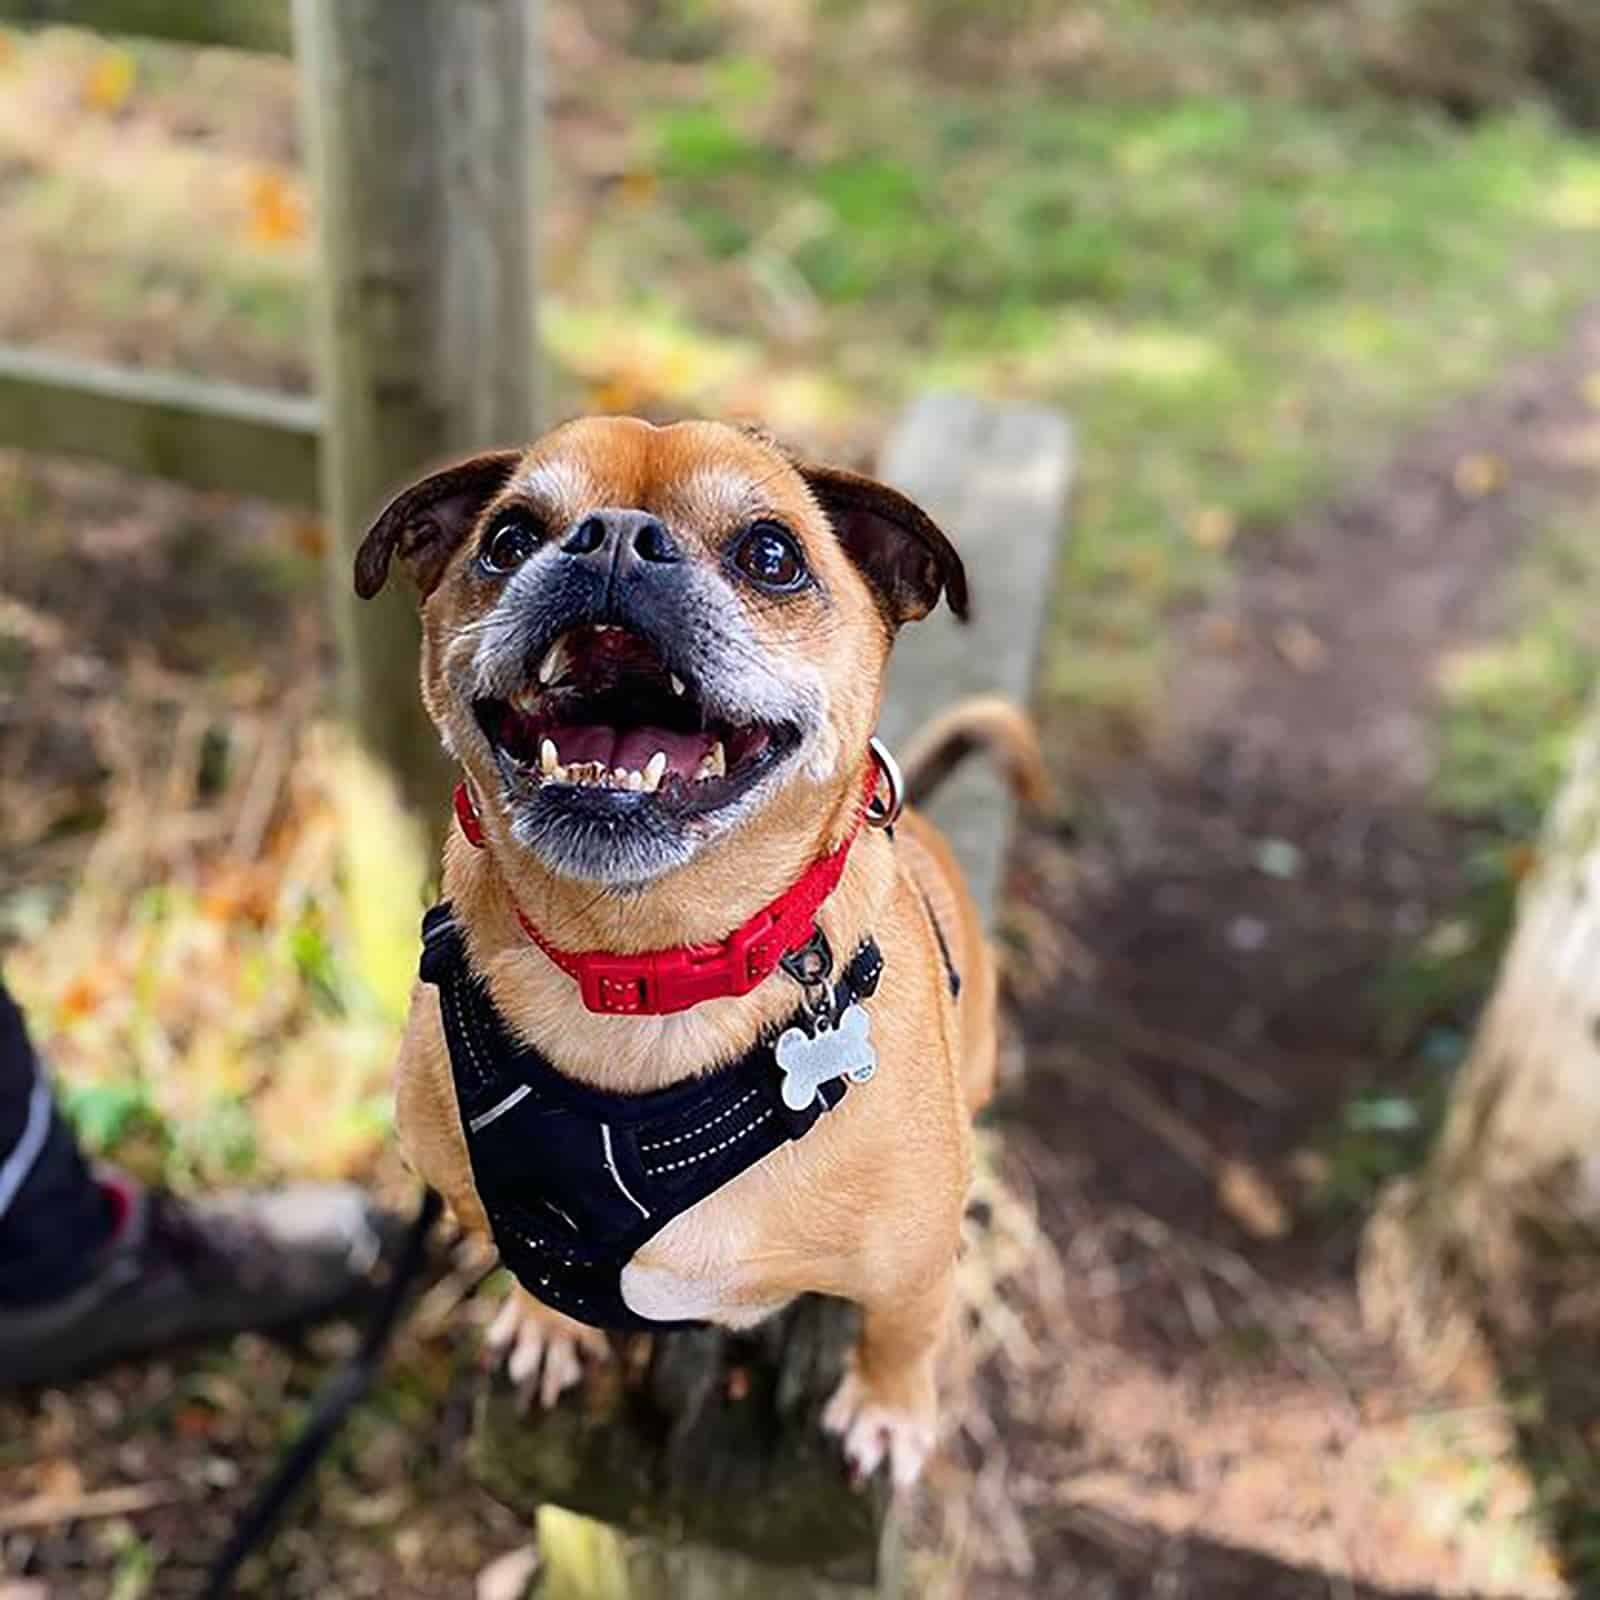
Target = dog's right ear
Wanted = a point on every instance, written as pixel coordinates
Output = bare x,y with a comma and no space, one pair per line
425,524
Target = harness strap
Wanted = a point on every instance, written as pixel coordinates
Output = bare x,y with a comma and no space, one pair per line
575,1179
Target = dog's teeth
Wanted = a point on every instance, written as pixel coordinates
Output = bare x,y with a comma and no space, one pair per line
634,779
561,775
677,683
715,764
549,758
654,770
525,699
555,661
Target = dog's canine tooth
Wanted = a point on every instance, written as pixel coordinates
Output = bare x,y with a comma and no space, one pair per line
677,683
654,770
555,661
549,758
715,764
560,774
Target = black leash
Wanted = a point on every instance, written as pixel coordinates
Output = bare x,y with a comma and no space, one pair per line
339,1395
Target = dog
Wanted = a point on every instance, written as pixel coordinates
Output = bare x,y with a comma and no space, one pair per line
694,1041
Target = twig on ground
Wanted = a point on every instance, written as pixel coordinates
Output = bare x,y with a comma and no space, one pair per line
50,1510
1182,1138
1192,1055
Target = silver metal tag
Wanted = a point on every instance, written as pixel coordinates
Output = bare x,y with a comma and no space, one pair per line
811,1060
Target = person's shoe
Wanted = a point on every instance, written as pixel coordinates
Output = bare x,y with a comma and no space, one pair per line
175,1271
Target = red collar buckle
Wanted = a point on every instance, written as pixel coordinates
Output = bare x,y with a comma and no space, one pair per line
661,982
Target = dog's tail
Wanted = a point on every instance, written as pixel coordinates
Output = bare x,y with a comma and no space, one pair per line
986,722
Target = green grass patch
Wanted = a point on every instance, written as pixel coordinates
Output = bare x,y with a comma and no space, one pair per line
1238,302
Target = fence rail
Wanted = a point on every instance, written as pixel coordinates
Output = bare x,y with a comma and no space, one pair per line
208,435
240,24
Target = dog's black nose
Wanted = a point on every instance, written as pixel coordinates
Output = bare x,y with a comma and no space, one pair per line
622,538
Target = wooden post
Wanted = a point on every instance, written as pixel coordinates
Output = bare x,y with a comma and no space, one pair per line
420,120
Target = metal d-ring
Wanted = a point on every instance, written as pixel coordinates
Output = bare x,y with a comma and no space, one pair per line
881,813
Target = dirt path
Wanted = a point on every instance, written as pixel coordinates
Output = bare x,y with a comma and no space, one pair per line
1234,896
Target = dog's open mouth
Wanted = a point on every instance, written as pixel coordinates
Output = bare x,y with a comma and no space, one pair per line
603,716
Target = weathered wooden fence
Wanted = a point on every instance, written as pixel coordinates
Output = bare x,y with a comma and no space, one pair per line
421,124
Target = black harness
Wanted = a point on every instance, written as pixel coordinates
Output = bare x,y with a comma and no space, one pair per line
573,1179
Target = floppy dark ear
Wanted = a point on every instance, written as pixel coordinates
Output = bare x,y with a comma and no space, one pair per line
425,524
898,546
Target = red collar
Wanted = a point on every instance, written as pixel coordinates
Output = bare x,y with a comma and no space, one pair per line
657,982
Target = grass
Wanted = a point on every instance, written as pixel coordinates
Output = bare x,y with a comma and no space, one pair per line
1238,303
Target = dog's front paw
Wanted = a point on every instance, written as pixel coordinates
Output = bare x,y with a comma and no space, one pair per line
871,1428
544,1351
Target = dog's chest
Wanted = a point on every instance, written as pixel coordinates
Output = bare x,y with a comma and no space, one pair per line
730,1259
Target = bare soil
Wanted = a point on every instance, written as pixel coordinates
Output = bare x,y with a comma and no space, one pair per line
1216,1422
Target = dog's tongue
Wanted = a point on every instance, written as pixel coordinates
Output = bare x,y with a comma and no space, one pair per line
632,748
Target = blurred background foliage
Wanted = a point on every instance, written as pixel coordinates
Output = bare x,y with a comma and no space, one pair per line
1241,243
1249,246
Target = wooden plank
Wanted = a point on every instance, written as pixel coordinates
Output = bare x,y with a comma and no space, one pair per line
421,121
717,1443
237,24
207,435
996,480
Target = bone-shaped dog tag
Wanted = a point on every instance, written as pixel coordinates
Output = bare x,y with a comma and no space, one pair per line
841,1051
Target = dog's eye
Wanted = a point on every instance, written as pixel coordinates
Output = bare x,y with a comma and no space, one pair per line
511,541
769,556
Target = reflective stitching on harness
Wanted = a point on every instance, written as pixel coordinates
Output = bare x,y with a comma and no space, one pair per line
689,1161
463,1023
695,1133
611,1167
499,1109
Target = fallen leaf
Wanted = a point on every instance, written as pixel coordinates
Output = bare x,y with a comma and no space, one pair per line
108,84
308,536
1213,527
618,393
1246,1194
60,1479
1478,476
1310,1167
638,188
80,998
1300,647
1224,635
508,1577
277,215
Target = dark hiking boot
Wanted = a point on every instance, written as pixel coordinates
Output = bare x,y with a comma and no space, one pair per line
177,1271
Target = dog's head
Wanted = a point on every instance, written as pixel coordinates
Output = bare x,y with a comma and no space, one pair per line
637,639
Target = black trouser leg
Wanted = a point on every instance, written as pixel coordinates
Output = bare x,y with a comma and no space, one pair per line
53,1216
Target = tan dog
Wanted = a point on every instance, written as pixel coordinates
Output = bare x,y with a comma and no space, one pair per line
658,654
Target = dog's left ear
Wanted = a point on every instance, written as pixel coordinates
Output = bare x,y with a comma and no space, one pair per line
897,545
425,524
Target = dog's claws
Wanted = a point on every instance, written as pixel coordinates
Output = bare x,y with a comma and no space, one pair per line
871,1433
543,1351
